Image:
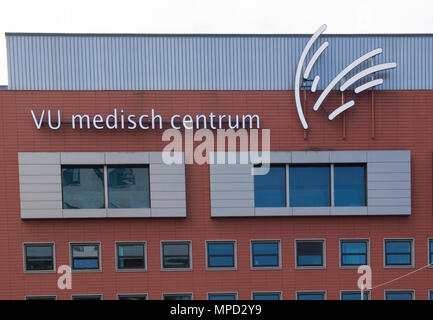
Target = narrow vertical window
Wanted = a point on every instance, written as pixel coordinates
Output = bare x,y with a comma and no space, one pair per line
310,186
349,185
270,189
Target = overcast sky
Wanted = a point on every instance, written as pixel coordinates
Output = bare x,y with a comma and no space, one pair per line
218,16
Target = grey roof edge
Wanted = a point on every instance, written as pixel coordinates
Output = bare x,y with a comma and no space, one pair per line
217,35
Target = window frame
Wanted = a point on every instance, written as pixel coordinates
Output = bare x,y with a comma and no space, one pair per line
430,252
164,294
412,291
278,267
324,292
367,240
222,294
71,258
235,264
87,295
368,292
189,242
279,293
412,254
36,244
118,295
144,243
323,266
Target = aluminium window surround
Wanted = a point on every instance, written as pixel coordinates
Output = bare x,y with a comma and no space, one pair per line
398,253
265,254
176,255
399,295
266,295
310,253
39,257
310,295
220,254
353,253
130,256
85,257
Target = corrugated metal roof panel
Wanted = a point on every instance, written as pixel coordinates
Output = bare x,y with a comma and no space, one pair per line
204,62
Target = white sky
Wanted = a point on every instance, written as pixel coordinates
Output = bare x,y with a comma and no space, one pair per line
217,16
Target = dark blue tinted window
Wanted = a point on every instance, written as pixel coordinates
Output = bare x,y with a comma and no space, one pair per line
309,253
310,186
130,256
221,254
311,296
128,297
353,296
431,295
353,253
349,185
398,252
270,189
431,251
128,187
222,297
83,187
176,255
177,297
266,296
85,256
39,257
399,296
265,254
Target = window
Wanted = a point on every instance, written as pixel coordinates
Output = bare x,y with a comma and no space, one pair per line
132,297
353,253
399,295
128,187
87,297
398,252
431,294
270,189
349,185
85,257
310,295
265,254
431,251
41,297
83,187
309,253
182,296
39,257
266,295
310,186
176,255
130,256
222,296
221,254
354,295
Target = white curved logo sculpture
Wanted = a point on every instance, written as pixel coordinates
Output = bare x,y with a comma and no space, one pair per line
299,77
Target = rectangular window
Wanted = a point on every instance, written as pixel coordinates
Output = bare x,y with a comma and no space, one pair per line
83,187
128,187
310,295
265,254
431,251
310,186
266,295
41,297
87,297
353,295
176,255
398,252
221,254
39,257
349,185
399,295
309,253
222,296
270,189
431,294
130,256
353,253
132,297
85,256
169,296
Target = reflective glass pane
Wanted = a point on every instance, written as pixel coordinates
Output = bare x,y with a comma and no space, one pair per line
431,295
398,296
270,189
177,297
309,253
354,260
85,251
85,264
310,186
353,296
349,185
175,249
311,296
222,297
39,251
128,187
39,258
266,296
398,246
265,261
265,254
265,248
354,247
398,259
220,248
131,250
83,188
131,263
142,297
221,261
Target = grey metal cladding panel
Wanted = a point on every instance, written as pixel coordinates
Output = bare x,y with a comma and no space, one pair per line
348,156
145,62
310,157
388,156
